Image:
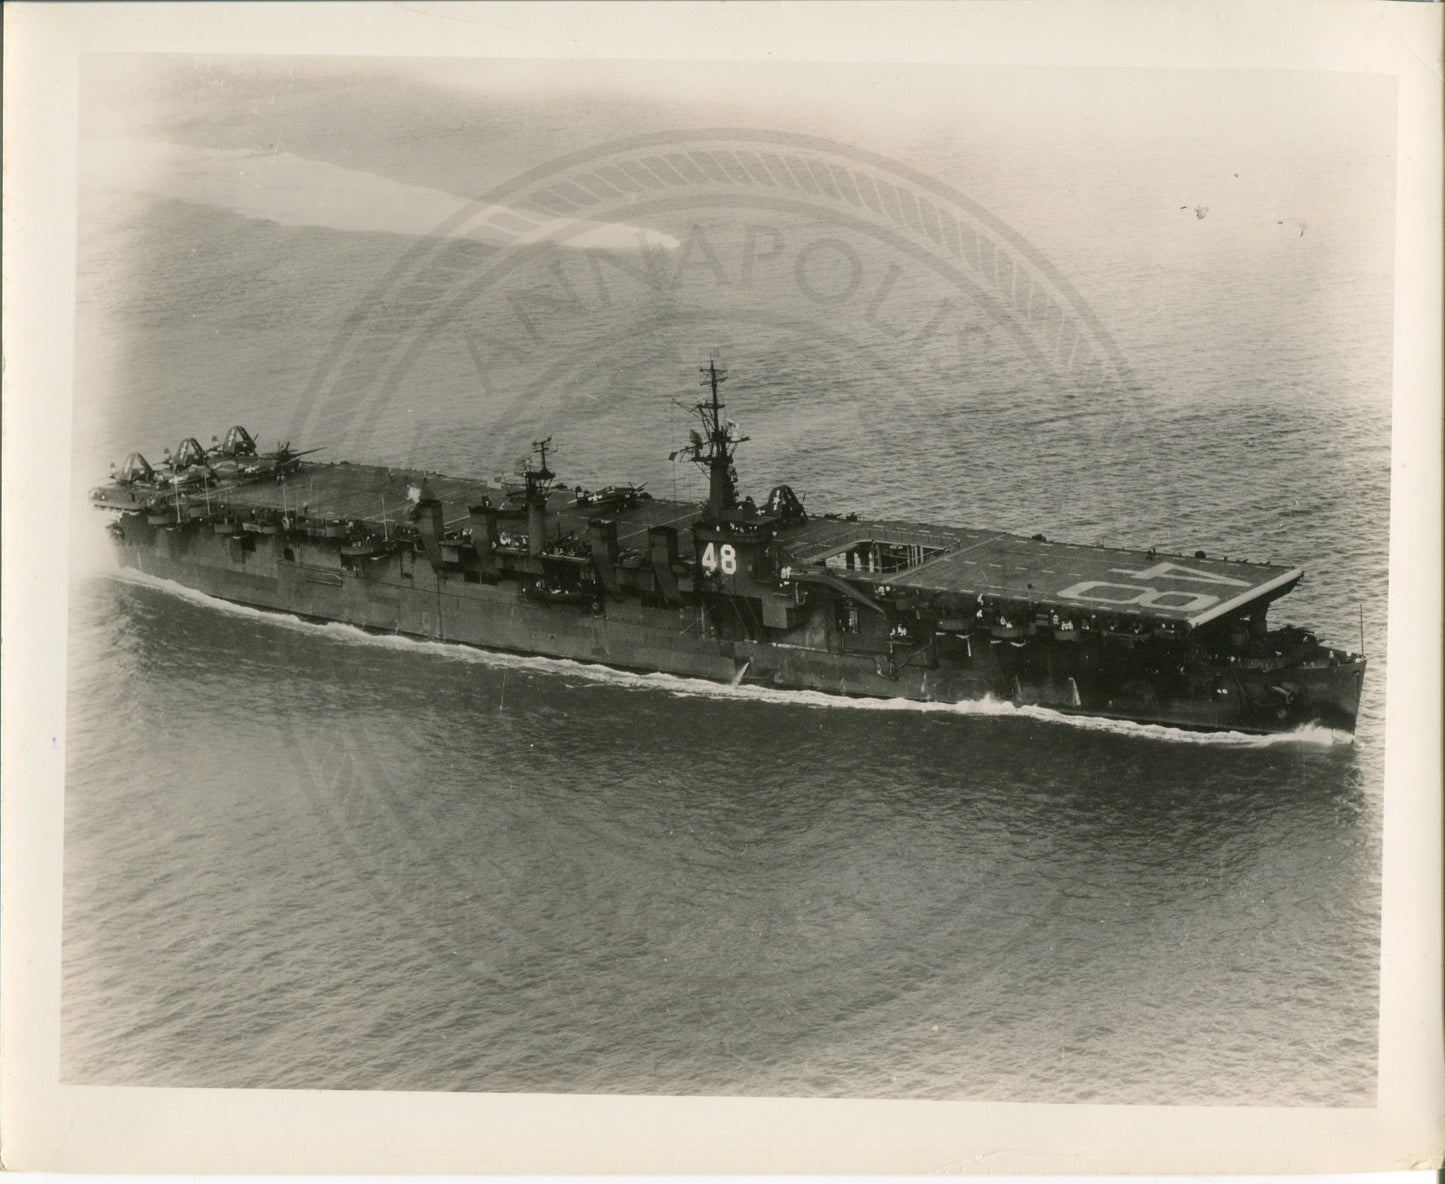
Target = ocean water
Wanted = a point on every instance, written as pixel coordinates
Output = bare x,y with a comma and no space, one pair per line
302,856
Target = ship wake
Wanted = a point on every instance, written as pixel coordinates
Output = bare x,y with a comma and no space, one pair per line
680,686
292,190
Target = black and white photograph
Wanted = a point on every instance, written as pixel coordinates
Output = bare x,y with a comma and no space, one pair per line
733,578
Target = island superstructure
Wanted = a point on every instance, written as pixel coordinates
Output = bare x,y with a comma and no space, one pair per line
730,589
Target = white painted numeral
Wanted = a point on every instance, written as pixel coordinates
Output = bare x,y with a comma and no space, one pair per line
1091,590
1175,571
724,557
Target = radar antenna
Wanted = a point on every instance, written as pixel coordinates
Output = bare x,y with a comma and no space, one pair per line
713,448
538,475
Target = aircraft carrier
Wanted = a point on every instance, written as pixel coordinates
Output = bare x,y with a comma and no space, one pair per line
731,589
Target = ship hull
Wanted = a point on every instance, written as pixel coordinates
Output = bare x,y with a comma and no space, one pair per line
396,590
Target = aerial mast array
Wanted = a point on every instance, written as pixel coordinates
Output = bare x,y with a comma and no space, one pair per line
713,449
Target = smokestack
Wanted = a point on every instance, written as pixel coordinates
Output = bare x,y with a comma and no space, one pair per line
428,514
602,535
484,536
662,551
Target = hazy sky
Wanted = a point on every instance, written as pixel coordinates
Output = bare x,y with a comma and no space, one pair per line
1259,150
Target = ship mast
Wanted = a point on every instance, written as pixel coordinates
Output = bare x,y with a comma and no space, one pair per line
539,481
714,451
538,477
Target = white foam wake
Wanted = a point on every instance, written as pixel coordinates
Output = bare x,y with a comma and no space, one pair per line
293,191
704,688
